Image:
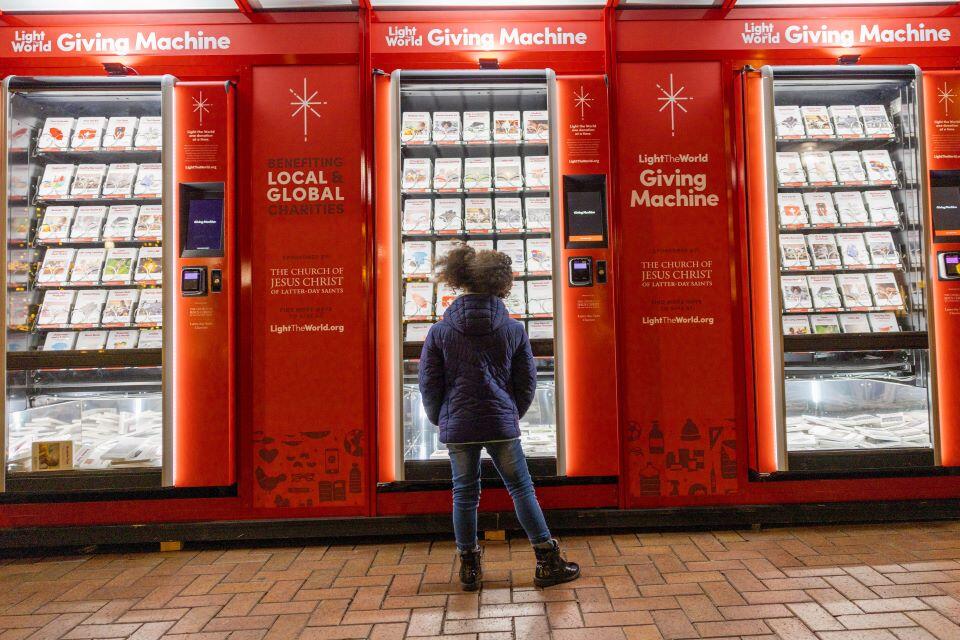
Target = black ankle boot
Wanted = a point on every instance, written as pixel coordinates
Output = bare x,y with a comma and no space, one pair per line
470,572
552,568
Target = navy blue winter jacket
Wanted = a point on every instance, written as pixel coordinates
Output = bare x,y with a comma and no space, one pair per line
477,373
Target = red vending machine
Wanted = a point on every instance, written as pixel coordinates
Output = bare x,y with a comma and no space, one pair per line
118,289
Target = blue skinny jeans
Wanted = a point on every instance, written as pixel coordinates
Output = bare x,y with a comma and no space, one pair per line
511,464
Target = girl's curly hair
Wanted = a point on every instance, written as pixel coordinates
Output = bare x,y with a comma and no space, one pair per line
486,272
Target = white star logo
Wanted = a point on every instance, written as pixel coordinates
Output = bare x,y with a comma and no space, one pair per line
673,99
201,105
946,97
582,101
304,104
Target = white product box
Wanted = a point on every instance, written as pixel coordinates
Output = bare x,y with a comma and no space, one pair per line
21,219
123,339
516,300
120,179
447,174
88,132
56,266
854,291
506,126
823,289
476,126
540,329
850,208
849,166
56,180
539,256
883,210
792,211
816,120
539,213
56,134
119,224
793,252
796,325
536,172
477,175
87,180
443,247
508,214
416,215
55,309
119,307
417,258
150,308
87,266
149,133
819,167
88,223
789,122
88,307
118,266
446,127
886,291
824,323
853,250
884,322
789,169
481,245
876,122
854,323
56,223
91,340
846,121
880,169
445,297
823,249
60,341
417,331
418,300
149,182
507,173
19,135
448,215
883,251
415,127
515,250
536,126
149,223
478,215
821,210
416,174
120,132
149,265
540,297
150,339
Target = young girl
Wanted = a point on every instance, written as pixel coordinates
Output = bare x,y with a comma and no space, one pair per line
477,378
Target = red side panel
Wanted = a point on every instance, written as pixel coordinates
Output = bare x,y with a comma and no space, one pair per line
202,381
943,139
308,270
588,330
676,294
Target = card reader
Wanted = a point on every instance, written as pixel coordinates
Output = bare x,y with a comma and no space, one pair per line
949,265
193,281
581,272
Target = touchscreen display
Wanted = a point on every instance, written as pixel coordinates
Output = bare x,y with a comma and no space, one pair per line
945,203
585,216
205,225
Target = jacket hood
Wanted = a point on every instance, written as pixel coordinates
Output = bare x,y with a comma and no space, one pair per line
476,315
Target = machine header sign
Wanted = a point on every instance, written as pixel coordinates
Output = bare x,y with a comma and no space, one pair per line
568,36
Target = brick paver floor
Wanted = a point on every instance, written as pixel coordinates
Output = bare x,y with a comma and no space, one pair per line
828,583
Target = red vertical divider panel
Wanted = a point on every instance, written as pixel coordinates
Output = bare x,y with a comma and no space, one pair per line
675,289
310,330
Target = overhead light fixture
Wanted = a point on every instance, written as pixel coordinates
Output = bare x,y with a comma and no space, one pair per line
850,58
116,69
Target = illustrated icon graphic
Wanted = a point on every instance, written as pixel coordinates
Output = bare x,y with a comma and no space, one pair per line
201,105
305,105
946,96
582,101
673,99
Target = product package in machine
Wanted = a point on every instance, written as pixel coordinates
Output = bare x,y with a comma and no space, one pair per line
87,224
447,174
821,210
793,251
20,265
443,247
119,132
55,182
55,309
883,210
790,169
123,339
509,215
119,308
60,341
539,297
886,291
149,265
793,213
855,291
823,249
149,133
883,250
56,223
21,220
481,245
418,300
507,173
506,126
415,127
819,167
19,137
849,166
417,331
120,179
55,135
19,305
416,174
446,127
876,122
416,258
87,133
19,181
536,126
789,122
515,250
796,293
846,121
149,223
880,168
536,172
796,325
55,268
516,300
884,322
823,289
87,180
854,323
445,297
91,340
539,218
87,266
853,250
478,215
88,308
816,120
540,329
119,224
539,256
416,215
118,267
150,339
448,215
824,323
149,180
477,175
851,209
476,126
150,309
